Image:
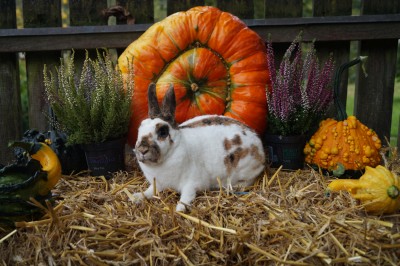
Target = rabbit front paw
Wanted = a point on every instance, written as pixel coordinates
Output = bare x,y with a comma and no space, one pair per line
180,207
137,197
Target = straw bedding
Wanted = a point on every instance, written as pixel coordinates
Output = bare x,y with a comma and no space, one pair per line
286,218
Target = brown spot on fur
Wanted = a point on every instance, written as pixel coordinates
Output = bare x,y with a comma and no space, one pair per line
236,141
146,146
231,161
227,144
256,153
146,138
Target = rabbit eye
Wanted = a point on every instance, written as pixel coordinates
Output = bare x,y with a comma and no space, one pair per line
163,132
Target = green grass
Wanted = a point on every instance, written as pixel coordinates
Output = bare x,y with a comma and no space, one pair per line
396,109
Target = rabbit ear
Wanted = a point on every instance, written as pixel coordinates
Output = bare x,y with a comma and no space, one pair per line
154,108
168,105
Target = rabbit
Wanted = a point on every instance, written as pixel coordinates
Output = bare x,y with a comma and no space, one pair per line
192,156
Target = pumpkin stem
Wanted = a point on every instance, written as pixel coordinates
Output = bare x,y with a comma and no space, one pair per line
194,87
393,192
341,110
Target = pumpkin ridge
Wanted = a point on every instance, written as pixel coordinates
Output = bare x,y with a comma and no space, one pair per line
213,27
174,42
216,95
194,45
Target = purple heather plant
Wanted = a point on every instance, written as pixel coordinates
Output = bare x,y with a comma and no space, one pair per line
300,92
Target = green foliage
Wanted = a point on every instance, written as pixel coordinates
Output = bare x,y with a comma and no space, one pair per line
94,106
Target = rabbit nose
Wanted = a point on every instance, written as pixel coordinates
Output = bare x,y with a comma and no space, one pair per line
143,149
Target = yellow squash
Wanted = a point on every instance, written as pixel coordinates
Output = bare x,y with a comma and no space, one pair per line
378,189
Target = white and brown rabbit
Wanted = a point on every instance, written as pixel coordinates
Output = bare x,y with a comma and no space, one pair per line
192,156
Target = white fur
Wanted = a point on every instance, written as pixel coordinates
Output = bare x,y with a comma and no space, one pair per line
192,159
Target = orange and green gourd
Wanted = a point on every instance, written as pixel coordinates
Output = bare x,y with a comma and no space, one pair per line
41,183
343,144
19,183
216,64
378,189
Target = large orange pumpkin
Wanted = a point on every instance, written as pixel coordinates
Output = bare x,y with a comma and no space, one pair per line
215,62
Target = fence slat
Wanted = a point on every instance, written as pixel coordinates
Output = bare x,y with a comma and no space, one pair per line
182,5
275,9
283,8
374,94
40,13
10,99
141,10
88,12
398,136
244,9
340,49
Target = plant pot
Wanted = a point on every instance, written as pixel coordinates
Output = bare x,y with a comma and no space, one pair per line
73,160
106,157
285,150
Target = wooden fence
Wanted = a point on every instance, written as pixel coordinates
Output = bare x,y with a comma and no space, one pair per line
377,29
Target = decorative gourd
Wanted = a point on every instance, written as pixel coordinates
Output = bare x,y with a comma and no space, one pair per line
378,189
33,179
216,63
343,144
49,164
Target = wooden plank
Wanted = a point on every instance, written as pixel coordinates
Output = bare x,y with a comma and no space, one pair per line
91,13
374,94
339,49
88,12
398,136
10,100
182,5
38,107
40,13
340,28
141,10
8,18
324,8
283,8
244,9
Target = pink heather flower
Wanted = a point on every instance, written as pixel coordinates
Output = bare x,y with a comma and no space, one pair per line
300,90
